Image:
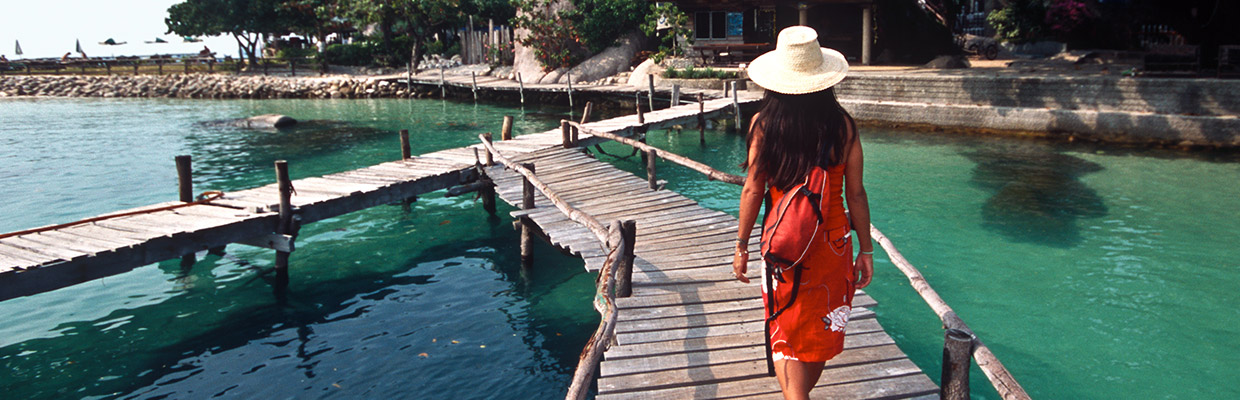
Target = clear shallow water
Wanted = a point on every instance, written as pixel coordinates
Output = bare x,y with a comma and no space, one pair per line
1092,272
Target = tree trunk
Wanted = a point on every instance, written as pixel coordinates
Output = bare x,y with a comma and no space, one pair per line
415,52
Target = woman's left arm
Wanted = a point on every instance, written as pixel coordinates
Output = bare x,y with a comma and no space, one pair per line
859,209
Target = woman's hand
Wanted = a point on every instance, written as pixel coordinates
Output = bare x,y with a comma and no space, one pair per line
865,270
740,266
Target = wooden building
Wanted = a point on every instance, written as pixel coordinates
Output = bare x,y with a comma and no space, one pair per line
739,30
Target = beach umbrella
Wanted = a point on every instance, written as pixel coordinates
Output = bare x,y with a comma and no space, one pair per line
111,42
157,40
19,47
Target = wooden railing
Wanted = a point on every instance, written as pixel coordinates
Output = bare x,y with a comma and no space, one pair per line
961,343
619,246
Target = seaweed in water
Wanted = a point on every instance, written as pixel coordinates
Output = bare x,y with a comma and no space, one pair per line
1037,193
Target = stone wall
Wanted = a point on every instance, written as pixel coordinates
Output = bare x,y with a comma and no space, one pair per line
1146,110
201,86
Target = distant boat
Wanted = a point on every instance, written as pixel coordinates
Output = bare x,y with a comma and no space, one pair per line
111,42
188,39
157,40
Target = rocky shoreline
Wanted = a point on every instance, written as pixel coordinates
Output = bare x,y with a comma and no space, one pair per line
204,86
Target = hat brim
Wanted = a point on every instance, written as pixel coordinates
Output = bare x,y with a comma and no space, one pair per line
773,72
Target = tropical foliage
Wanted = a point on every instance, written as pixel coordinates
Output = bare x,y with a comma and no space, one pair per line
402,27
562,38
675,26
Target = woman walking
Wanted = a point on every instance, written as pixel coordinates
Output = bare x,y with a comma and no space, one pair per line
801,127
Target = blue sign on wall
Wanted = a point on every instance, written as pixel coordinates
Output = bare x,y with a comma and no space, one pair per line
736,24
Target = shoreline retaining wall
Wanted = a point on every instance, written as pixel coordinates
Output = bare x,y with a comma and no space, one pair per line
1181,112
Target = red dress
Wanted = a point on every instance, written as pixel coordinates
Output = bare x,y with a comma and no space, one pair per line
811,329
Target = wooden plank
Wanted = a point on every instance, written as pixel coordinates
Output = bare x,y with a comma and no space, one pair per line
729,349
857,362
892,379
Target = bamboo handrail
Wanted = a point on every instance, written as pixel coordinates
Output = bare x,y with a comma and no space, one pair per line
604,296
711,173
990,365
999,376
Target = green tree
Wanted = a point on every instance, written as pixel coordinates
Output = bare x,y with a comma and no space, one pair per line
248,21
675,25
418,19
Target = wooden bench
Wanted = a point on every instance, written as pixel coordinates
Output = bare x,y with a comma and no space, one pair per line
729,53
1228,61
1173,60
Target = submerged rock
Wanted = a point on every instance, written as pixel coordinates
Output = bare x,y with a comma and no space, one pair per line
265,121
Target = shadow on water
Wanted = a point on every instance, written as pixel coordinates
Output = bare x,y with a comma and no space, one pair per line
1037,193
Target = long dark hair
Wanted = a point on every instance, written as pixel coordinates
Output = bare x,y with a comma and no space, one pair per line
800,131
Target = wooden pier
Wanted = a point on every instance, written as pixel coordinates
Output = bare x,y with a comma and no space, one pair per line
688,329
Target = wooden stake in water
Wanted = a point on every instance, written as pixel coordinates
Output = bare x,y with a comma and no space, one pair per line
701,120
675,96
736,108
474,86
185,185
650,95
624,274
442,92
505,132
957,356
585,114
527,226
570,91
521,88
285,186
566,135
652,155
405,152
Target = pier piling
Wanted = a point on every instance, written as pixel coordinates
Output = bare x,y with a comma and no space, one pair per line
505,132
957,356
405,152
701,119
527,225
285,227
624,274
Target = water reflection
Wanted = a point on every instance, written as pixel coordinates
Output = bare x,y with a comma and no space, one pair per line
1038,196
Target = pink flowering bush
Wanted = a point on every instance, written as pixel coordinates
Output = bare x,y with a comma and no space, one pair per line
1064,16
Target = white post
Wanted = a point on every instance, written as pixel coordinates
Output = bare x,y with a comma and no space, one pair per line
867,33
521,87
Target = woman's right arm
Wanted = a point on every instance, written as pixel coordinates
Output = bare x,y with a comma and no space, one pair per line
751,202
859,208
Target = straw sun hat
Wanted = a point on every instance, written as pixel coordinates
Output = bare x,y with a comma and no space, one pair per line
798,65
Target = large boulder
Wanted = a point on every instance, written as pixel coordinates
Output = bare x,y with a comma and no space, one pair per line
638,77
611,61
524,62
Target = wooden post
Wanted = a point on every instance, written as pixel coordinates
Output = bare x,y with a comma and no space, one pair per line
82,66
185,64
624,274
652,155
211,65
566,135
135,67
159,65
405,152
701,120
442,92
285,186
736,108
505,132
570,91
585,114
521,88
292,66
108,66
490,158
266,65
527,226
185,179
650,95
675,96
637,100
474,76
957,357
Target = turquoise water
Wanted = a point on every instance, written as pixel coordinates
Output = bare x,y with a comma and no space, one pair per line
1092,272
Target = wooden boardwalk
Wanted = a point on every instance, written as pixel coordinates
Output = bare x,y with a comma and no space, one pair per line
689,330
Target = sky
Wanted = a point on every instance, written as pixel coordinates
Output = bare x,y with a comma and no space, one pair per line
48,28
